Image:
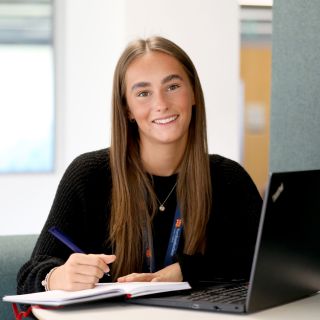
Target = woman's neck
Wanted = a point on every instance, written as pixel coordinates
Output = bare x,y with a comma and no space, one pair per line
162,160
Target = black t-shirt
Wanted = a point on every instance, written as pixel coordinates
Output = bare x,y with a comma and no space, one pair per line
163,220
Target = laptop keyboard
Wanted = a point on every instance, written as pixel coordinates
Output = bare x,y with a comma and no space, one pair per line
231,294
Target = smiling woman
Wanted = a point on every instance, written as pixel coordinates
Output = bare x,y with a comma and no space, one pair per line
155,205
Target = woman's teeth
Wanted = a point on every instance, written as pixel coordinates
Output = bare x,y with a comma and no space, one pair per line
164,121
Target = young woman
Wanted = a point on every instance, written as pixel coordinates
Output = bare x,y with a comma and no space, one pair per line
154,206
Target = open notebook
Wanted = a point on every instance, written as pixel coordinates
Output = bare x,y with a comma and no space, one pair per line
101,291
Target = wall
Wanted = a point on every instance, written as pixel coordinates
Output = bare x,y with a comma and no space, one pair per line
90,35
89,38
255,73
295,111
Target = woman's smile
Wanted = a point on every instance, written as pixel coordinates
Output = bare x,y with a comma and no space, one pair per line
166,120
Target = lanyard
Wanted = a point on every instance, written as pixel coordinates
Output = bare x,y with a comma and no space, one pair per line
173,244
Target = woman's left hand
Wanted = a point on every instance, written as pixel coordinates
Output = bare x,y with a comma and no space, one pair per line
170,273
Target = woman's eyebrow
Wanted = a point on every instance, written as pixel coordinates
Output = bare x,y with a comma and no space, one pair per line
144,84
171,77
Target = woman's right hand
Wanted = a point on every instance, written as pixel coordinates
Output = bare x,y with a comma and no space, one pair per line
81,271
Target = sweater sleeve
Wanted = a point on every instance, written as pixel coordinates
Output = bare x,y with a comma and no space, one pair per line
65,214
231,230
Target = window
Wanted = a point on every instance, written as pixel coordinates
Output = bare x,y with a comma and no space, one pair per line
26,86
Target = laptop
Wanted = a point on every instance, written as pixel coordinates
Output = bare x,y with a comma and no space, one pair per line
286,263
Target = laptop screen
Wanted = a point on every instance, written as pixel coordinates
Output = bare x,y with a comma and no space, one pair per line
286,263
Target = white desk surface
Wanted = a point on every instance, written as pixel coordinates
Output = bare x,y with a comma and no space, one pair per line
306,309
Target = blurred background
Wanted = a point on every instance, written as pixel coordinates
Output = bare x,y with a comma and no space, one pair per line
56,66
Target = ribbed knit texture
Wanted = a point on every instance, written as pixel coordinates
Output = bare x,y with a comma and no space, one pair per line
81,209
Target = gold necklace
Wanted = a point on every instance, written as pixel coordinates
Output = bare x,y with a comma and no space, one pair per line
161,205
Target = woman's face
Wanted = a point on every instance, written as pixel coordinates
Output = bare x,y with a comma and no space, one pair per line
160,98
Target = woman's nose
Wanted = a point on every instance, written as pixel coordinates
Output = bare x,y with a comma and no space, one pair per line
160,102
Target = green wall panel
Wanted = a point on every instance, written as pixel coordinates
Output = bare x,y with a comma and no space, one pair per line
295,101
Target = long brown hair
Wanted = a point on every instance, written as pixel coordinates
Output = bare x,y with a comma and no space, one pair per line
133,199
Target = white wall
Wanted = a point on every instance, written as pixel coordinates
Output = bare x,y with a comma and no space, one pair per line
90,35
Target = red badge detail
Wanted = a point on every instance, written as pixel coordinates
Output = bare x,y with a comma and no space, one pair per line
148,253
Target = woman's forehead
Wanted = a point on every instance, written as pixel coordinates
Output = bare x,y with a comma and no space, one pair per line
153,65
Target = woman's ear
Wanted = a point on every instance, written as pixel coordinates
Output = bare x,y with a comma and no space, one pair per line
130,115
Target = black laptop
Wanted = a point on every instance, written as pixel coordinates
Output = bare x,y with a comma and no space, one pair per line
286,264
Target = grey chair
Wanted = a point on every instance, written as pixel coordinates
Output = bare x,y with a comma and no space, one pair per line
14,252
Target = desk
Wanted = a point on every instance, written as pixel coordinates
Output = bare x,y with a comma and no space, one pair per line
306,309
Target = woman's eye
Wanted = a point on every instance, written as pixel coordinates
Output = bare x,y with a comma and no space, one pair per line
173,87
143,94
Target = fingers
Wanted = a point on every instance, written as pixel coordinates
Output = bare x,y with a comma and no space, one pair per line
137,277
81,271
107,259
83,262
171,273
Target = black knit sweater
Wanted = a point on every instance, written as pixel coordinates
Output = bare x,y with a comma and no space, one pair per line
81,209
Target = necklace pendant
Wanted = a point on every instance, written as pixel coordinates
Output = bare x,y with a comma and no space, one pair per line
162,208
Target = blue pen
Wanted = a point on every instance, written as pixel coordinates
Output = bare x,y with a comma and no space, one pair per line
67,241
